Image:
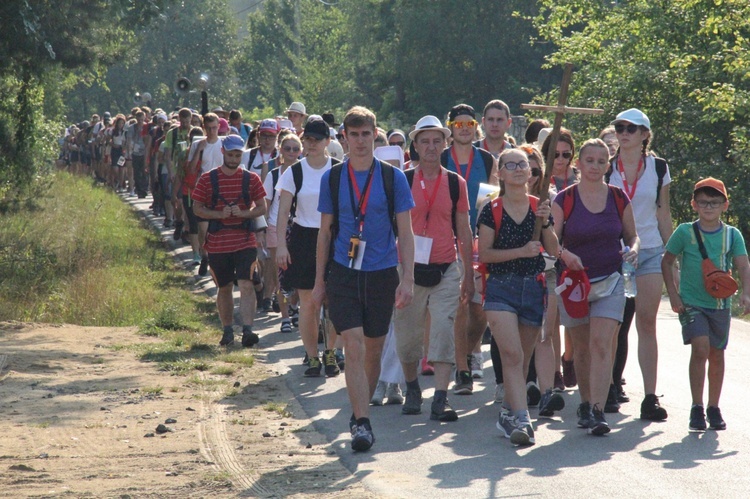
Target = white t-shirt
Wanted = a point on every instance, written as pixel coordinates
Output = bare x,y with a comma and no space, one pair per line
258,161
307,214
273,209
212,155
644,202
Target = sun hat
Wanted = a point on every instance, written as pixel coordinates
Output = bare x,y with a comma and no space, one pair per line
429,122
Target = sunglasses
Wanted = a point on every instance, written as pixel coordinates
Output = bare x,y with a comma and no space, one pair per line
621,127
510,165
400,144
566,154
536,172
709,204
290,149
461,124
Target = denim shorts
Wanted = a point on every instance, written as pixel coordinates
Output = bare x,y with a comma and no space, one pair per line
524,296
713,323
649,261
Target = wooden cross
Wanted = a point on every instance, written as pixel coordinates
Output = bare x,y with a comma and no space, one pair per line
560,110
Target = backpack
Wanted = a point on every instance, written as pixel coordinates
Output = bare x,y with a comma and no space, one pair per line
217,225
497,210
569,200
660,165
488,159
275,173
254,153
453,188
334,182
297,175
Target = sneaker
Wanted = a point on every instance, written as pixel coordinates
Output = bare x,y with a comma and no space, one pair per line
550,402
559,383
506,423
475,365
178,226
621,395
227,339
314,368
651,410
442,411
340,360
523,434
249,339
612,406
196,259
584,415
393,394
286,326
499,393
533,394
379,395
203,268
413,404
427,369
598,425
569,373
306,360
697,418
267,305
362,438
329,361
715,421
275,305
464,383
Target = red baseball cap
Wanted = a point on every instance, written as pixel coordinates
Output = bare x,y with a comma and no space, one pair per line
574,291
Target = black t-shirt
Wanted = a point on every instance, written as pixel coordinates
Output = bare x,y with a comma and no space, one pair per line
511,236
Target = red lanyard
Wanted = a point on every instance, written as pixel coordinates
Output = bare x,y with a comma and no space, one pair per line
359,214
621,168
458,166
431,200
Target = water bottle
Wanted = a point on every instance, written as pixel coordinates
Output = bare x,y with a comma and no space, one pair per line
628,274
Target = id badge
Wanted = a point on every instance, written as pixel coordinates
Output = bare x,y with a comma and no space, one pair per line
422,249
121,161
356,263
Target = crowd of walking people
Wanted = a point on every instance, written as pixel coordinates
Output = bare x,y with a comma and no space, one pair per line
420,245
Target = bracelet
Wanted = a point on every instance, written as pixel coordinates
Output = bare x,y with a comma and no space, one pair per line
549,224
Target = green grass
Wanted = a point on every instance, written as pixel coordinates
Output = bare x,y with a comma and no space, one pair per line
152,390
277,408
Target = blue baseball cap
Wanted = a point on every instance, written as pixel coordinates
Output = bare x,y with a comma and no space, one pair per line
233,143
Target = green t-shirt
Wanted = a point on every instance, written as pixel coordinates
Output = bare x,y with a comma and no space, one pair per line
721,245
177,149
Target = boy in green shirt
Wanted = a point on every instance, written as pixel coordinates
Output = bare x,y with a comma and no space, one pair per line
705,319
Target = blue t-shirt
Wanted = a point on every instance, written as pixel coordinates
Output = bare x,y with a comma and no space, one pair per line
478,175
380,250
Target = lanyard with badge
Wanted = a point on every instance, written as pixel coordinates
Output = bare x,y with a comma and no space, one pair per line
630,191
423,244
458,166
356,242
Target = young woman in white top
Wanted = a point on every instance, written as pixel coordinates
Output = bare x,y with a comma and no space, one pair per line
634,170
296,256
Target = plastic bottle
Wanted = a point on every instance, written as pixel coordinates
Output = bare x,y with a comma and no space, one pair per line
628,274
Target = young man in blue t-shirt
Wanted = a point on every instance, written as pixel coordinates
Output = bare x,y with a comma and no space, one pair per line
362,283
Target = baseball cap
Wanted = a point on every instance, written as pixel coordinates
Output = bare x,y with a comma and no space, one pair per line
268,126
316,128
233,143
162,116
712,183
429,122
461,110
574,292
223,125
634,116
296,107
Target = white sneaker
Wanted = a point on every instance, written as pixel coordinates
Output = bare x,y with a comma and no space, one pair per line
499,393
477,371
379,395
393,394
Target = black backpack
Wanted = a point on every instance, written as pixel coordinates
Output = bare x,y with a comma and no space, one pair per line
297,175
487,158
217,225
661,170
453,188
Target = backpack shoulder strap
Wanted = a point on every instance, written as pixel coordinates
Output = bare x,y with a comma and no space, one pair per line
246,177
444,157
497,214
661,170
453,189
251,157
569,200
387,173
214,176
410,176
334,181
619,199
297,175
274,180
489,161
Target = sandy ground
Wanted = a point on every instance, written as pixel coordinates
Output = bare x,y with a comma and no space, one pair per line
79,418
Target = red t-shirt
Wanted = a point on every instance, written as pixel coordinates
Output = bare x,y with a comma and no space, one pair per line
230,187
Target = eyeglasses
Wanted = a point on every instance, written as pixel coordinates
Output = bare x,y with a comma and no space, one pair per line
461,124
510,165
400,144
566,154
709,204
621,127
290,149
536,172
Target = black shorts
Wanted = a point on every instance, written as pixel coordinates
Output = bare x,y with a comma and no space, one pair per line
230,267
358,298
302,245
187,204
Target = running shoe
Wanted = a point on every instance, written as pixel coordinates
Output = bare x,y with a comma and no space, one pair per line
314,368
715,421
651,409
362,438
464,383
330,364
550,402
697,418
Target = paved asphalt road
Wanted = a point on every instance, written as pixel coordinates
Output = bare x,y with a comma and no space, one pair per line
416,457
